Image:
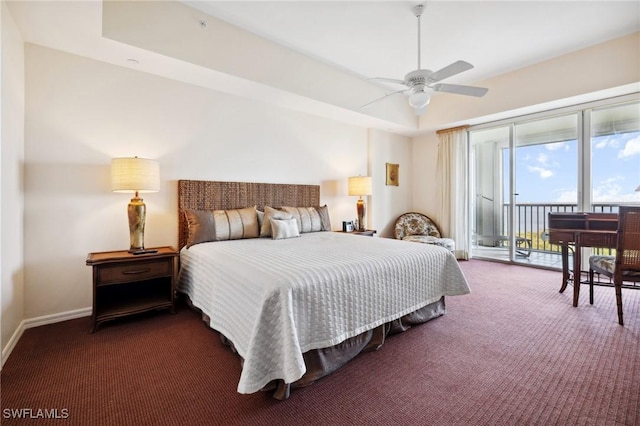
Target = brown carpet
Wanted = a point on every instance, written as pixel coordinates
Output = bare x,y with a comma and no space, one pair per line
514,352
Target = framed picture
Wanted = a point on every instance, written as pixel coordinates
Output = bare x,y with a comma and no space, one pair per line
392,174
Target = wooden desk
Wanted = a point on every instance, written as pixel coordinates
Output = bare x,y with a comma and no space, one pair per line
580,230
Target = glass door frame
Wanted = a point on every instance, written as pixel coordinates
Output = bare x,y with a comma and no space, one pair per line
584,156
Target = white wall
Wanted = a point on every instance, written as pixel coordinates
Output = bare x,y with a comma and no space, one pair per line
604,66
11,159
389,202
425,160
561,81
81,113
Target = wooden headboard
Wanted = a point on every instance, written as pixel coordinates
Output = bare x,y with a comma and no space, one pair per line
213,195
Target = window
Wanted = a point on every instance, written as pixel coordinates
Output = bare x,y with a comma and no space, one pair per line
583,158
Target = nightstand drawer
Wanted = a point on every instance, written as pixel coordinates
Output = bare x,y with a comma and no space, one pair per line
136,271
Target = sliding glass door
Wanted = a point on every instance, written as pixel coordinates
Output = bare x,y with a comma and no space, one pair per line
580,159
522,171
489,166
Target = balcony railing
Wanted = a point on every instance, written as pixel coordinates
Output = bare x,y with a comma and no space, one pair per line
531,222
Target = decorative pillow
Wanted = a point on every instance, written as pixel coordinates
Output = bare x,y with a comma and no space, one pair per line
323,211
284,228
201,226
260,219
310,219
271,213
236,224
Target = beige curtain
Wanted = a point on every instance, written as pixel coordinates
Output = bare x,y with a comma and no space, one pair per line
452,179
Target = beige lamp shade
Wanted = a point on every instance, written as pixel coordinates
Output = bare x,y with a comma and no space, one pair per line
360,185
133,174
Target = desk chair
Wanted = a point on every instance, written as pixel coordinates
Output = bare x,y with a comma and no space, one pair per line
625,265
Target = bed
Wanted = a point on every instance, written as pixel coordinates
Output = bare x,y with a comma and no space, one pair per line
297,306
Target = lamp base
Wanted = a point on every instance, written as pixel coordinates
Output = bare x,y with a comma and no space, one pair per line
137,213
361,209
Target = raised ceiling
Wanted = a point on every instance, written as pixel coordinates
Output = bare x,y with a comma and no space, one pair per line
352,40
379,39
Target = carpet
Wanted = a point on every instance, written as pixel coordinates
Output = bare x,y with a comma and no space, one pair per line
513,352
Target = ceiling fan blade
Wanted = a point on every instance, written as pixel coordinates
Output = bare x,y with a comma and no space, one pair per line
383,97
451,69
389,80
460,90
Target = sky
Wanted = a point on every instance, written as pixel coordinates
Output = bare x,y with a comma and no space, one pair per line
548,172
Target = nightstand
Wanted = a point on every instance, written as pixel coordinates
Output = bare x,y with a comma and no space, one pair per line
126,284
366,232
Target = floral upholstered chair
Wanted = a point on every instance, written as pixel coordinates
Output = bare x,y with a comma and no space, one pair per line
419,228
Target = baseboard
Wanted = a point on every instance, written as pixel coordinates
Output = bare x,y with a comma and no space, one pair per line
37,322
6,351
53,318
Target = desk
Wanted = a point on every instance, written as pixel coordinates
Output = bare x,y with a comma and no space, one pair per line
580,230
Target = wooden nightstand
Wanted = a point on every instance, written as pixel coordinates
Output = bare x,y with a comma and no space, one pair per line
126,284
366,232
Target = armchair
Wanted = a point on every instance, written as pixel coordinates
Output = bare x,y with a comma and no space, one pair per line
419,228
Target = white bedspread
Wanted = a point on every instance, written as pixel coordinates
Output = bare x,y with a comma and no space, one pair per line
276,299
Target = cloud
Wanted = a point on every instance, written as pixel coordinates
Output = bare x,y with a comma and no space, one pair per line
613,194
544,173
631,148
567,196
606,141
557,146
542,158
601,144
606,192
612,190
611,180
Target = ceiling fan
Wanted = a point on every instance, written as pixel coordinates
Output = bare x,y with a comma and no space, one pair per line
420,80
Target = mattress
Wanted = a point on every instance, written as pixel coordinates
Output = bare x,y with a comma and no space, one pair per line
277,299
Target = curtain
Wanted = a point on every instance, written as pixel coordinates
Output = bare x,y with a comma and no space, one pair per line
453,182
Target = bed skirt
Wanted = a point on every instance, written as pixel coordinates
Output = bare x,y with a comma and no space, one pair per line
324,361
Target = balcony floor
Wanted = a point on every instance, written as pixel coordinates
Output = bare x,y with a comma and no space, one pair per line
538,259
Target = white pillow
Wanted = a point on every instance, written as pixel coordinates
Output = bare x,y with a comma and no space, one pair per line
284,228
269,213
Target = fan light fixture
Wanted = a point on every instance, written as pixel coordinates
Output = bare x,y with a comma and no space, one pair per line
419,80
419,99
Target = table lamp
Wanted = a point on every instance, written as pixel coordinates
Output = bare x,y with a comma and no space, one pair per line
135,175
360,186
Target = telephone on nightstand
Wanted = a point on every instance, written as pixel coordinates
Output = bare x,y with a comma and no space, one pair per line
347,226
